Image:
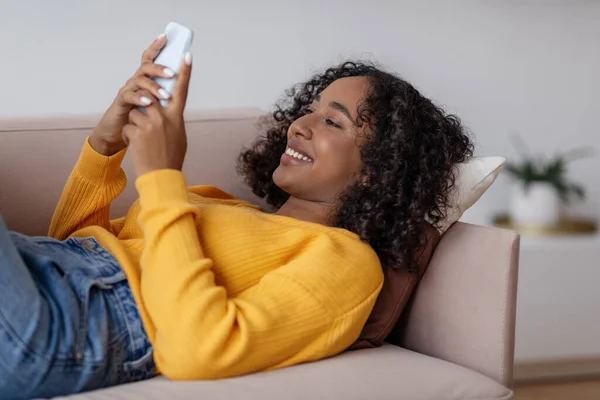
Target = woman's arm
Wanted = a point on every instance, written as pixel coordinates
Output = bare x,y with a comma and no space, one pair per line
203,333
94,183
97,178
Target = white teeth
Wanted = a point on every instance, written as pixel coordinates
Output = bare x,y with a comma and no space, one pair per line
295,154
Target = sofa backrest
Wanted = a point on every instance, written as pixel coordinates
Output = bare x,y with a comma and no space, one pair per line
37,155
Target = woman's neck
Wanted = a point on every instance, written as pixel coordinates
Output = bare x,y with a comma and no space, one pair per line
304,210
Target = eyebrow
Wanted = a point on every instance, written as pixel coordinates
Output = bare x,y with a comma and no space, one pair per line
337,106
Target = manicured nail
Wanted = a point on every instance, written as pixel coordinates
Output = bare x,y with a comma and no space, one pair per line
162,35
188,58
169,72
145,101
163,93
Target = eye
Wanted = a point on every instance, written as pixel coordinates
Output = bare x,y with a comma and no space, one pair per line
331,123
308,110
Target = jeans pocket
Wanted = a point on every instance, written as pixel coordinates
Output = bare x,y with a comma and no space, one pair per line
141,368
97,329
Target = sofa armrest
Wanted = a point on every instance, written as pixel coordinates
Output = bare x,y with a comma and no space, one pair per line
464,308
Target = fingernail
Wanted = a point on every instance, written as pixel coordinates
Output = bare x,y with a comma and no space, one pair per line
169,72
162,35
163,93
188,58
145,101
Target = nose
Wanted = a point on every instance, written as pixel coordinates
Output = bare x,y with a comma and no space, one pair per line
301,127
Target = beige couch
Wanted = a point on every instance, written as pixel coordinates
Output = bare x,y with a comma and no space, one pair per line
458,341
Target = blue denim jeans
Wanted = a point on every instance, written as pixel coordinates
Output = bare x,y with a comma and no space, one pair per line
68,320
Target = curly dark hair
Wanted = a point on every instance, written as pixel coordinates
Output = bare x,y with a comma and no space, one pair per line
408,161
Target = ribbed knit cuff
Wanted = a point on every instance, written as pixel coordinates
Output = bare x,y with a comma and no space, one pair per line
162,186
93,166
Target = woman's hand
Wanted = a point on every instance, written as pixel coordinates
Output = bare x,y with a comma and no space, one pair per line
157,140
106,138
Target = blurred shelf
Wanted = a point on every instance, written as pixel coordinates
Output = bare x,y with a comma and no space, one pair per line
580,233
568,227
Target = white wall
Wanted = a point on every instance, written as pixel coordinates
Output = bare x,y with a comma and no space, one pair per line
522,65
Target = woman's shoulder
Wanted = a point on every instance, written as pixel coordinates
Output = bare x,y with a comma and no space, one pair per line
336,262
341,242
313,243
339,255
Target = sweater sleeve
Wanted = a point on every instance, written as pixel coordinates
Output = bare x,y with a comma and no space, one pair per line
202,332
93,184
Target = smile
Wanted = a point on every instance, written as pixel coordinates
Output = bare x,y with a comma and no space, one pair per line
298,156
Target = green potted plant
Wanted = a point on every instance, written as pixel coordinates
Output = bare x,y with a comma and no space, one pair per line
541,186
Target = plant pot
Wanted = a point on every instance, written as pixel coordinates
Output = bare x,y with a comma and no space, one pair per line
538,204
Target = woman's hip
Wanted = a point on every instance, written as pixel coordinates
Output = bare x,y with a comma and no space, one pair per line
68,319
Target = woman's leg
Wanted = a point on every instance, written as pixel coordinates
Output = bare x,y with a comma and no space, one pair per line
68,319
26,337
40,325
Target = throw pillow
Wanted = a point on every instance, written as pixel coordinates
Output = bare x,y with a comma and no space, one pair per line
473,178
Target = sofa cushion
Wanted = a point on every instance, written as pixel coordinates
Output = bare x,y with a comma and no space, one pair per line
473,178
384,373
398,285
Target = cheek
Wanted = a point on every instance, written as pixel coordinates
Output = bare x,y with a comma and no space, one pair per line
339,158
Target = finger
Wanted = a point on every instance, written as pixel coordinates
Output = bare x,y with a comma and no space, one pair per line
143,82
151,52
180,92
154,109
155,70
136,98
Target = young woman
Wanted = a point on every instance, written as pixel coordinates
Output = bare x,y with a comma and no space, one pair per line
195,284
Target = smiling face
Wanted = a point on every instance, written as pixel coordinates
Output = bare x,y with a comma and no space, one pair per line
323,154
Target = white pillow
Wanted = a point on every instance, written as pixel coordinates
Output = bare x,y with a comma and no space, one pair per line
473,178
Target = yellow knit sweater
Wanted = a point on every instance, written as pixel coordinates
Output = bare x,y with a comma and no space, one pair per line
223,288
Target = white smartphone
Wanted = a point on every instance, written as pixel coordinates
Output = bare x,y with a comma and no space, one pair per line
179,42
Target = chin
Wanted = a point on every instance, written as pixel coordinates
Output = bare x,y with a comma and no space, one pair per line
278,178
292,180
282,181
